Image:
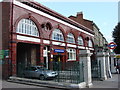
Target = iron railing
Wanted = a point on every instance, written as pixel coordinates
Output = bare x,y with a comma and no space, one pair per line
67,72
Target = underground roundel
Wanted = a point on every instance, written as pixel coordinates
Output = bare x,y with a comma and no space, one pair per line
112,45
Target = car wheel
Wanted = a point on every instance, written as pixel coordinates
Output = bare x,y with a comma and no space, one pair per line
42,77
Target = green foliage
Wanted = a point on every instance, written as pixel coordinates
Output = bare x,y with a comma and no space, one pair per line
116,36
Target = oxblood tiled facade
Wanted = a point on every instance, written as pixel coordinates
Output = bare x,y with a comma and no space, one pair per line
14,13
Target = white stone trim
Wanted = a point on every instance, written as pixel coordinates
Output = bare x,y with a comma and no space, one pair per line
58,43
82,85
48,16
46,41
87,48
91,48
25,38
70,45
81,47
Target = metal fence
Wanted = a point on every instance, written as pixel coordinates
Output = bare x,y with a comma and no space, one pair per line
72,73
67,72
96,70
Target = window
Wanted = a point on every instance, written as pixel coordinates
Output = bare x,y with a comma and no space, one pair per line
70,38
57,35
28,27
71,54
48,26
90,44
80,40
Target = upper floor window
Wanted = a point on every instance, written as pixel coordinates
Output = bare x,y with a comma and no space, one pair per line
27,26
90,44
80,40
57,35
70,38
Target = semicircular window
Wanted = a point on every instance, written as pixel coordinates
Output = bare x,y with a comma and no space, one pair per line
57,35
90,44
28,27
80,40
70,38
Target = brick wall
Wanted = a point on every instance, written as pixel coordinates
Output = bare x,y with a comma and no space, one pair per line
79,18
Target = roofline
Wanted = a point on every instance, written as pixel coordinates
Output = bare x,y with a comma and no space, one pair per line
55,14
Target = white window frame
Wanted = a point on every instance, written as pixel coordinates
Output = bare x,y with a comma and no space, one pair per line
90,44
80,41
28,27
57,35
71,54
70,38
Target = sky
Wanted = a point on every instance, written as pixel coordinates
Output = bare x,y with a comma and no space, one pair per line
103,14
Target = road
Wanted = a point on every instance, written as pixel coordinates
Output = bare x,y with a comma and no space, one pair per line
12,85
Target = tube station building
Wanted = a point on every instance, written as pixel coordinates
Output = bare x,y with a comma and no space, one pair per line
36,35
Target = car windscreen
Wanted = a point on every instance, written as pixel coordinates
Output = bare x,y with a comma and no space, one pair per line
42,68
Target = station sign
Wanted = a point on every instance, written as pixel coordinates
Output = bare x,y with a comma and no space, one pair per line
59,50
112,45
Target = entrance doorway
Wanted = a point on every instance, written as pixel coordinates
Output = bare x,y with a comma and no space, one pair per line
57,62
27,55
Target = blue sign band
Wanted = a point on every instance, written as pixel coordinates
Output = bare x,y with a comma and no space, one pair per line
112,45
59,50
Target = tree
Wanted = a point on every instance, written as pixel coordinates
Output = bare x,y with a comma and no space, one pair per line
116,36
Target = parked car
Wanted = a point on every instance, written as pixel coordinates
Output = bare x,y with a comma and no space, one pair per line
39,72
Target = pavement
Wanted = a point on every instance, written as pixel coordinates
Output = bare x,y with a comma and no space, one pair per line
109,83
113,82
35,82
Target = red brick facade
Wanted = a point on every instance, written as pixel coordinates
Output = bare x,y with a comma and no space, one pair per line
14,13
79,18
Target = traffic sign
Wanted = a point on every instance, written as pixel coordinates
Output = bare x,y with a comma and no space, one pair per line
112,45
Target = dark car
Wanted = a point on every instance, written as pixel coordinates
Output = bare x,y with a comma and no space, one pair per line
39,72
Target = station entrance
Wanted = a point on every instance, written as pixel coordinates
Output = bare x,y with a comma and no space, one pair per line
27,55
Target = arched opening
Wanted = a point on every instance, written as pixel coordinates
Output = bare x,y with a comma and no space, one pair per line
28,53
80,41
70,38
57,35
28,27
90,44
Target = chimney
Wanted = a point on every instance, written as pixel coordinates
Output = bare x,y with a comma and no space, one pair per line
80,15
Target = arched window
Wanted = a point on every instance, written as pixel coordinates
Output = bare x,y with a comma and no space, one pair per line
57,35
27,26
80,40
70,38
90,44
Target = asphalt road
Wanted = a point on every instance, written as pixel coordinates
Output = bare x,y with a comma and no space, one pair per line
16,86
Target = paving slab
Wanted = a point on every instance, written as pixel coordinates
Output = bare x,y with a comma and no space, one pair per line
109,83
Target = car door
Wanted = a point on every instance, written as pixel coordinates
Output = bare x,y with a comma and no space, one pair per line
33,72
27,72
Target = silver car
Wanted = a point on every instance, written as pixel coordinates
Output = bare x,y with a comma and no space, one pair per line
39,72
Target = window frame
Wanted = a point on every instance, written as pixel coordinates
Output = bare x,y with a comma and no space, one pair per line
80,41
27,27
90,43
57,35
70,38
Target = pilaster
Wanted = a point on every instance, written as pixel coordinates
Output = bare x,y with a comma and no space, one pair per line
85,58
101,58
